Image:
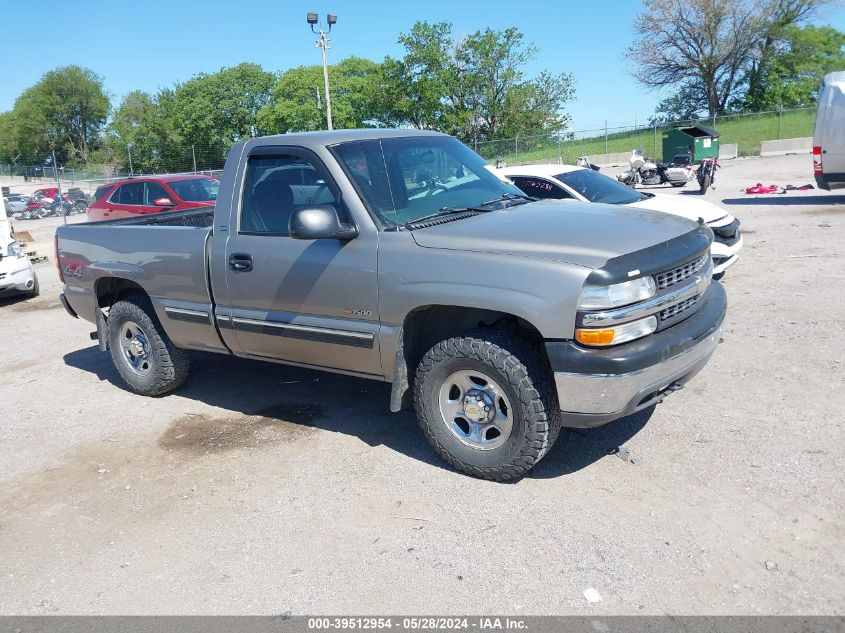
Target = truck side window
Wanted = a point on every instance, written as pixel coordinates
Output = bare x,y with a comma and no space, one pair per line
539,188
275,185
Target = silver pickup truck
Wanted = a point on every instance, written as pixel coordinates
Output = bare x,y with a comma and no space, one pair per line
395,255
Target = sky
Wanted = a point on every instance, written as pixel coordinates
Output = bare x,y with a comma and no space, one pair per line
154,44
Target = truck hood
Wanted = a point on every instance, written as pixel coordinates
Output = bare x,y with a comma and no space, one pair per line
585,234
684,206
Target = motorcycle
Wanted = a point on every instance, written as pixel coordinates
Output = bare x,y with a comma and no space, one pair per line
643,171
78,199
63,207
706,173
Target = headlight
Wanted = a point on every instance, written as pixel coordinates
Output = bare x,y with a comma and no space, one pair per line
617,334
615,295
14,250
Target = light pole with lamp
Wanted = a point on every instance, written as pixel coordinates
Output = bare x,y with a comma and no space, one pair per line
323,44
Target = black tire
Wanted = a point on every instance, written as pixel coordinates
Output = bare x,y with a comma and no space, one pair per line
36,288
525,379
167,364
705,184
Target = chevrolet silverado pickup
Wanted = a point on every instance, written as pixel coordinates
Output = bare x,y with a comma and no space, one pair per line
395,255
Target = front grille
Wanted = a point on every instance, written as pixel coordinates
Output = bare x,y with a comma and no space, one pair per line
671,277
2,276
675,310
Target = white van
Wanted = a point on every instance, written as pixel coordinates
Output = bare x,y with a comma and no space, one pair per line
829,135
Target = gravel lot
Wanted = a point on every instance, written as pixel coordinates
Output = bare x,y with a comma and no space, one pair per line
258,488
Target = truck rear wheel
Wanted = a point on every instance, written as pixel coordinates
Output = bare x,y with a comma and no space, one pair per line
487,404
143,354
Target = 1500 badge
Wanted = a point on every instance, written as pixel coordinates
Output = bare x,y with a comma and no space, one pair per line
357,313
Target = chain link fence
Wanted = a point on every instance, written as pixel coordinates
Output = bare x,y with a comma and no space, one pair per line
178,159
565,146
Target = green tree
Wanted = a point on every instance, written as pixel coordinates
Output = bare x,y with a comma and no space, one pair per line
298,104
795,67
475,88
213,112
421,89
64,112
713,47
139,130
686,103
10,147
496,99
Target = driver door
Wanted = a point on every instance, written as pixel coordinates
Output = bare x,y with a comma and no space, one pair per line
312,302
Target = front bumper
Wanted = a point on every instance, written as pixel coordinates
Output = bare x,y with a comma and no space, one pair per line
20,279
727,242
596,386
725,253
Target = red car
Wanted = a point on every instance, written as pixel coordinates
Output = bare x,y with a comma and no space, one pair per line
138,196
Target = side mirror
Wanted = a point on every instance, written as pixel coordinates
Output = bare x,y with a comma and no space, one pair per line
163,202
319,222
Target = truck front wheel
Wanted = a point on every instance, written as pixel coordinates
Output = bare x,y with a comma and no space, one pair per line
143,354
487,404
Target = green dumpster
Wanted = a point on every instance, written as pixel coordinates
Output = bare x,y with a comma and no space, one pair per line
698,140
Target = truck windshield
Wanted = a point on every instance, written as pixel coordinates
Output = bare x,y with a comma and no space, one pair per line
196,190
404,179
597,187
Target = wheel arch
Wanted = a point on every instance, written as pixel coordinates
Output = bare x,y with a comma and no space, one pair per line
426,325
110,290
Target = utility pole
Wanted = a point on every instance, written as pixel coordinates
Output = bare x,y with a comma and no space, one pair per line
323,45
129,151
605,136
194,154
58,198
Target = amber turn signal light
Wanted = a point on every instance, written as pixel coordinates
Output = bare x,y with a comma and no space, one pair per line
594,337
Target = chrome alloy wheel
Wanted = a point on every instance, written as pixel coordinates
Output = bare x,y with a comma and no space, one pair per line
476,410
135,348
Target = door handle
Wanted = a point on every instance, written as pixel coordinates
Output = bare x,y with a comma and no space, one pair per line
240,262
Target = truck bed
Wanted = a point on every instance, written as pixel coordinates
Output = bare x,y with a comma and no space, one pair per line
198,218
163,253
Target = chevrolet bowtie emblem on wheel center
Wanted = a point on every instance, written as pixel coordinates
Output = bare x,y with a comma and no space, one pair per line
478,406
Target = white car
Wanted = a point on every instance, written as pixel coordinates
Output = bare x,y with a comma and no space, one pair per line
16,274
15,203
579,183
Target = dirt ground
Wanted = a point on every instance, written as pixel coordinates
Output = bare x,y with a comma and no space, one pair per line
258,488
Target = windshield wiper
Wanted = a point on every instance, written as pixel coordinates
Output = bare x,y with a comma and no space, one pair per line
505,197
443,212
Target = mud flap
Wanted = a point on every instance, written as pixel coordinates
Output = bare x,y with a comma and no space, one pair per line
102,330
400,393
